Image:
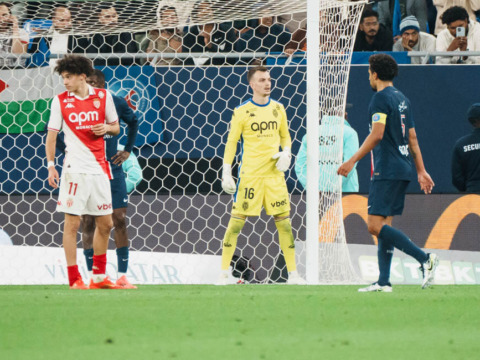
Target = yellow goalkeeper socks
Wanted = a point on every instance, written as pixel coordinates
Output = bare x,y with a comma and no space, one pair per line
230,240
286,242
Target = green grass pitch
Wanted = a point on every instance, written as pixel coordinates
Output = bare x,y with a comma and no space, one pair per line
239,322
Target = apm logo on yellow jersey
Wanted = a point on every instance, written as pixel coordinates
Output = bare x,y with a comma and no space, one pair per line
263,126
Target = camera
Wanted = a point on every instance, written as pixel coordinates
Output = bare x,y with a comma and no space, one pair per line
460,31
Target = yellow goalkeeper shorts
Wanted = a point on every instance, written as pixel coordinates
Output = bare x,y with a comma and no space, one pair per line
253,193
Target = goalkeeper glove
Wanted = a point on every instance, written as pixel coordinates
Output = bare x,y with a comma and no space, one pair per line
228,184
284,158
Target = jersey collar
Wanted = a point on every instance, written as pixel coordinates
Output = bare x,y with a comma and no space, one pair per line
91,91
254,103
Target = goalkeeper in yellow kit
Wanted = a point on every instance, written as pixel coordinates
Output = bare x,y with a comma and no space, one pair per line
261,124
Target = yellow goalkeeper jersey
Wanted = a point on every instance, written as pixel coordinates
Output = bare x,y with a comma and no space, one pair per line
261,129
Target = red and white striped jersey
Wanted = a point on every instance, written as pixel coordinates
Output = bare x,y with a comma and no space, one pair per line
85,151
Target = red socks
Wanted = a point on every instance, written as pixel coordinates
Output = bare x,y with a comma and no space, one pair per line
99,264
73,274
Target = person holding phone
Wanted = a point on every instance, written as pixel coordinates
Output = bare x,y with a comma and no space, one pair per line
461,34
13,40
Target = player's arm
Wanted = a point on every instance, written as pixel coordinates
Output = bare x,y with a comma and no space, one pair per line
228,184
54,126
128,116
458,172
111,125
301,163
372,140
133,172
285,156
53,178
424,179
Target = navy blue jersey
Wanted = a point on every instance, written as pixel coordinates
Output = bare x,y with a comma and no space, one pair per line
125,114
391,158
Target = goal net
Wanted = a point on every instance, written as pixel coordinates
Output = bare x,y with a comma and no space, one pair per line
181,66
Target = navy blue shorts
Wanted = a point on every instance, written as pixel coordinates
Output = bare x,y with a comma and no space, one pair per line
387,197
119,191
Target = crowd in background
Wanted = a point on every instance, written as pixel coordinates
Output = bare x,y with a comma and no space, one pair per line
388,25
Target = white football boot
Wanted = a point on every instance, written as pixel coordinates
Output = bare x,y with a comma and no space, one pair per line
376,288
295,279
429,268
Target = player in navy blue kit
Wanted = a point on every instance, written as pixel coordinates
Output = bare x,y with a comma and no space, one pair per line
117,184
393,143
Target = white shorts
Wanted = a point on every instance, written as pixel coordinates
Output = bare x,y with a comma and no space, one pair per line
85,194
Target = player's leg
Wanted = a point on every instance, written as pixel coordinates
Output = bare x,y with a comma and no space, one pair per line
388,198
247,201
72,201
88,228
385,248
277,203
229,245
70,229
99,205
120,234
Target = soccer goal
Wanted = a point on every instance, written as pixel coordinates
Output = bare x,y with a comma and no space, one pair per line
183,94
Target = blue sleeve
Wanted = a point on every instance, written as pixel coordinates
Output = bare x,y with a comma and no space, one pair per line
301,163
378,105
133,172
128,116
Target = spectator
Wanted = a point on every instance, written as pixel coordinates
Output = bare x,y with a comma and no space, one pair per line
58,40
470,5
466,156
413,39
168,39
372,36
452,39
104,42
269,36
209,37
293,22
12,39
417,8
298,42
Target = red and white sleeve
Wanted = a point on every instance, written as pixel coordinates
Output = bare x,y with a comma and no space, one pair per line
56,118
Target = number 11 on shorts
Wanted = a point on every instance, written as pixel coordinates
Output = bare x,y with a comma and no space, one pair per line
72,186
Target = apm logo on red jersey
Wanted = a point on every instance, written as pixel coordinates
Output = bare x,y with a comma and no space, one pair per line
84,116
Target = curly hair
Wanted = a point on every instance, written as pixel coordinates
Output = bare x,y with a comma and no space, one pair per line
74,64
384,66
453,14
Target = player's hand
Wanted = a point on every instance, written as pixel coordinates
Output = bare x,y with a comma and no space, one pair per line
99,129
120,157
53,178
284,159
426,182
405,45
345,168
228,184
